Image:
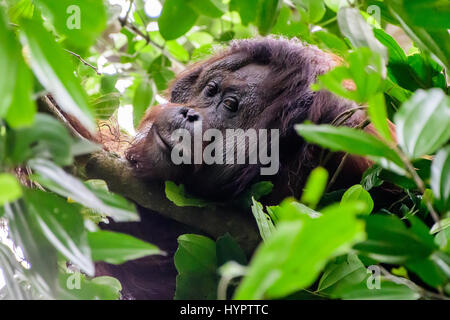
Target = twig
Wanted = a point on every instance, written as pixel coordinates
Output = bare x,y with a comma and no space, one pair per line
84,61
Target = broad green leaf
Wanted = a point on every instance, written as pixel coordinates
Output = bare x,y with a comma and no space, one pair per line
66,185
315,186
10,269
117,248
344,271
423,122
257,191
62,225
80,22
143,98
210,8
442,225
227,249
388,291
265,224
291,210
430,14
357,193
395,52
53,68
330,41
437,42
16,83
177,50
160,72
246,9
347,139
289,25
364,69
177,18
10,189
313,10
38,252
440,177
390,241
378,116
178,196
196,263
294,255
371,178
20,9
266,15
434,271
76,286
47,138
358,31
105,105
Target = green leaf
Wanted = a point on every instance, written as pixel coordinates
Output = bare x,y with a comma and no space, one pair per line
313,10
178,196
315,186
390,241
64,184
177,50
358,31
78,287
357,193
440,178
364,69
246,9
10,189
378,116
38,252
46,138
117,248
395,52
81,22
53,68
441,226
62,225
330,41
16,84
227,249
105,105
430,270
178,11
210,8
10,272
371,178
143,98
257,191
437,42
294,255
347,139
265,224
430,14
266,15
423,122
196,263
344,271
20,9
388,291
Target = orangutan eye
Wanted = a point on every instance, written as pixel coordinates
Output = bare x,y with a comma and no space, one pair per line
231,104
211,89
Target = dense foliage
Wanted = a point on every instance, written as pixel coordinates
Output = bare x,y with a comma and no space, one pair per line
94,57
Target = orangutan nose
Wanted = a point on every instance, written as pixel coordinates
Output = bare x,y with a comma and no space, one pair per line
190,114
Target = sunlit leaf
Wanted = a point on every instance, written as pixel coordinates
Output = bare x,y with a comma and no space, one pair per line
117,248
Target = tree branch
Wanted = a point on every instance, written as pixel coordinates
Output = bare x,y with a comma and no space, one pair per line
214,221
